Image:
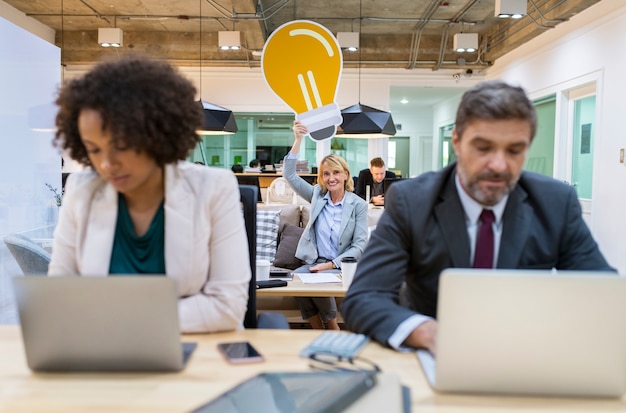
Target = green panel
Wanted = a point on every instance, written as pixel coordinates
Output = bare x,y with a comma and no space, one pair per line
540,156
583,142
446,150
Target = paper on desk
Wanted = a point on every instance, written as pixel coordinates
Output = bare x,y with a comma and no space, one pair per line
318,277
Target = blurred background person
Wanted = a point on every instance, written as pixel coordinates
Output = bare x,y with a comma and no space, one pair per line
373,177
253,167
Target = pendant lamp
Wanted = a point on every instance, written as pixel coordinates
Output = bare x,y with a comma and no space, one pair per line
361,121
216,120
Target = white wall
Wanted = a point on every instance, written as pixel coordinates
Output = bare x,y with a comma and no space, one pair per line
589,46
416,125
29,77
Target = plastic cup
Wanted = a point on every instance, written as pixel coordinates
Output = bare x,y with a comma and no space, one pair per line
262,270
348,268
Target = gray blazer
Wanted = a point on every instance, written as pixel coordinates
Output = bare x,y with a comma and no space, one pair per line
353,231
423,231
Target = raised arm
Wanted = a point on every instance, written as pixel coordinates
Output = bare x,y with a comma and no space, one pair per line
301,186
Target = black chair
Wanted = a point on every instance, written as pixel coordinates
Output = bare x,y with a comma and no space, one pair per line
267,319
251,180
32,259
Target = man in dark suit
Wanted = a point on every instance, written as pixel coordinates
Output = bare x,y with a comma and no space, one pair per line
373,177
431,222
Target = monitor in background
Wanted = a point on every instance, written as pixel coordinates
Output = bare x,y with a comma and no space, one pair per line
387,182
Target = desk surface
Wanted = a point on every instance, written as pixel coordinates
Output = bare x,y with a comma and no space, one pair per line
296,288
271,175
208,375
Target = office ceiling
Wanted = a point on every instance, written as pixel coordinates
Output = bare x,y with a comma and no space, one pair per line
405,34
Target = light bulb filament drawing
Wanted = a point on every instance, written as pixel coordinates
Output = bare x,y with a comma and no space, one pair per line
314,90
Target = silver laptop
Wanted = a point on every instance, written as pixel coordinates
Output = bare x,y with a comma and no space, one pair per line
100,323
530,332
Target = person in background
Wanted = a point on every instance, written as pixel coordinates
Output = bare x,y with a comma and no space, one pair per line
373,177
337,227
139,207
253,167
432,222
237,168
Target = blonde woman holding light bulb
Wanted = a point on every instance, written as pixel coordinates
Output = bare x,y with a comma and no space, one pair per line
337,227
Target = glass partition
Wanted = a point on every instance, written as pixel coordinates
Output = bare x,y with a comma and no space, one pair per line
540,156
446,150
268,137
265,137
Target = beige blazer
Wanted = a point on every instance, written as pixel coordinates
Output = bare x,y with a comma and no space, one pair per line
205,241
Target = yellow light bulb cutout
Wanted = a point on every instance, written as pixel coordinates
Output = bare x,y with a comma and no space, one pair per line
302,65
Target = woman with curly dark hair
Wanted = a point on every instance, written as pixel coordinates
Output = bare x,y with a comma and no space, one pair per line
139,207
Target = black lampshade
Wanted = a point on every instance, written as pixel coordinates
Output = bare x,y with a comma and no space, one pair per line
217,120
366,121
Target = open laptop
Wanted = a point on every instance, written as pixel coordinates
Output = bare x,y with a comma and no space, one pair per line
100,323
529,332
387,182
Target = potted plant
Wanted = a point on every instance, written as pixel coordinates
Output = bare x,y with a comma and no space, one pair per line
58,197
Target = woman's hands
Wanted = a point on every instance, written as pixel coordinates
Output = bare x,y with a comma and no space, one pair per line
323,266
299,130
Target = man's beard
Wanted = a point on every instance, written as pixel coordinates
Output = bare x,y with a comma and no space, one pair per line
486,195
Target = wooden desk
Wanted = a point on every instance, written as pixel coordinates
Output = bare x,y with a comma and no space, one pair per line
265,179
207,375
296,288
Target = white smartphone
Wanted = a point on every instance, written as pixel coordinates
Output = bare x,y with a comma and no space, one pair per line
240,352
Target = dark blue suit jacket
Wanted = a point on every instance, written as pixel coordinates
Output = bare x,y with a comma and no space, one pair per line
423,231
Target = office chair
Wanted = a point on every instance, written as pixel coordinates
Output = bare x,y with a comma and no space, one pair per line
32,259
251,180
280,192
267,319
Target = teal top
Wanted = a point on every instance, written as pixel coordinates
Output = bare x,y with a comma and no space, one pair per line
132,254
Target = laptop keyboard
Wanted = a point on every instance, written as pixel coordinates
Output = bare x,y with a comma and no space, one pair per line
344,344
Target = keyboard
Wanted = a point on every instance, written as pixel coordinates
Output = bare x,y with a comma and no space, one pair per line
344,344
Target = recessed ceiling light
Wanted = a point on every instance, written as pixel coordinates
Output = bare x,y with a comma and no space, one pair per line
404,101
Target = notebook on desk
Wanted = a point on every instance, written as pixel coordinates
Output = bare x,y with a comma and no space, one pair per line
100,323
529,332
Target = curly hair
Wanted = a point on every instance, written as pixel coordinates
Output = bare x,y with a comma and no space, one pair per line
144,103
334,162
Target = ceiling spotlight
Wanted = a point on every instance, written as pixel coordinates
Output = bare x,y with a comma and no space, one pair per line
110,37
348,40
514,9
465,42
229,40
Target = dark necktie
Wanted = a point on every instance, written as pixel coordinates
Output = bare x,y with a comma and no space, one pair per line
483,258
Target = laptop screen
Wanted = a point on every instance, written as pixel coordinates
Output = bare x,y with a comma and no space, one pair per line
100,323
387,182
531,332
